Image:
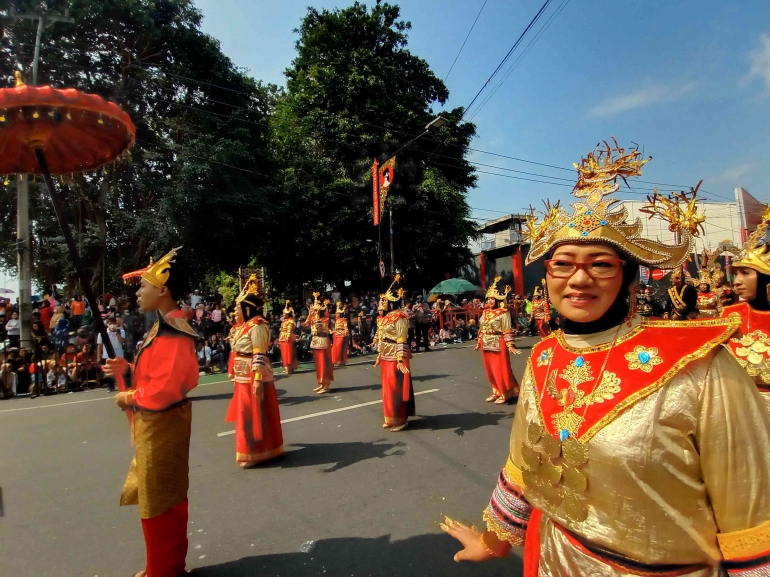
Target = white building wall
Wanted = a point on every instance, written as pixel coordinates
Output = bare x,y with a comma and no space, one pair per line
723,222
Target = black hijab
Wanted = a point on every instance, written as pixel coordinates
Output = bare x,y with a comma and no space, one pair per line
617,312
760,301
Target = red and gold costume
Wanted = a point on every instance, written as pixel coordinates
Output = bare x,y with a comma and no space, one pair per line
496,340
341,337
287,340
709,305
751,348
641,449
258,435
541,312
318,320
393,354
164,372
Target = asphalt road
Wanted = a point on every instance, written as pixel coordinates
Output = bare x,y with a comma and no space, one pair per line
369,500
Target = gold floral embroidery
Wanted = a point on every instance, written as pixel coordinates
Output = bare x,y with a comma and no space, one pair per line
571,398
544,357
643,358
753,354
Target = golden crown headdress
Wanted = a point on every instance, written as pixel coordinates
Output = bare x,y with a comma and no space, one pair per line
340,308
707,262
594,220
252,288
156,273
317,303
499,290
755,253
395,291
288,309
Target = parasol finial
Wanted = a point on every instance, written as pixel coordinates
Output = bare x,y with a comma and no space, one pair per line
19,79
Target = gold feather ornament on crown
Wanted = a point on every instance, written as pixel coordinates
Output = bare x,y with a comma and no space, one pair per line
596,219
251,288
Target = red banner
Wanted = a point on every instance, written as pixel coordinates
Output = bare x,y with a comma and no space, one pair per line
375,193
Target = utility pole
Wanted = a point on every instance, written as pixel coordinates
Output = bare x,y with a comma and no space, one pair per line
23,244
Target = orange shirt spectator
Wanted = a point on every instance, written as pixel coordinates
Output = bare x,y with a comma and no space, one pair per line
78,307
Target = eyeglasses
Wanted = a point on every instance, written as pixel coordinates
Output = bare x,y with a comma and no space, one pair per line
596,269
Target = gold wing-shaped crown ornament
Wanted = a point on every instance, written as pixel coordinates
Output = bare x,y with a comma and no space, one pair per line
156,273
596,219
706,268
498,291
755,253
394,294
340,308
288,309
250,291
318,305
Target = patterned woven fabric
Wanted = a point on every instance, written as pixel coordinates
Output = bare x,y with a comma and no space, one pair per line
508,512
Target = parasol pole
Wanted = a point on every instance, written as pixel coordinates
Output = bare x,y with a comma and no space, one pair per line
65,228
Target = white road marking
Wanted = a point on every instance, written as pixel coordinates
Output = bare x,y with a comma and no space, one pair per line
322,413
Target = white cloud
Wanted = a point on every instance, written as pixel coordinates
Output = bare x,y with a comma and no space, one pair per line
760,61
641,98
734,173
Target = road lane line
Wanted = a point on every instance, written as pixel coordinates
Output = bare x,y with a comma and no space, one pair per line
322,413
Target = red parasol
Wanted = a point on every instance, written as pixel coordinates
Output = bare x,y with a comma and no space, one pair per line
47,130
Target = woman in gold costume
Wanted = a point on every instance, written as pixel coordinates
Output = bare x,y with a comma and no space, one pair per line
638,447
752,283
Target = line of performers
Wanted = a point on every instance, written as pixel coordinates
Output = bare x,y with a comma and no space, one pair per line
639,445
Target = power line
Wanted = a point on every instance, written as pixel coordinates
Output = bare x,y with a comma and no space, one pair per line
508,55
389,129
466,40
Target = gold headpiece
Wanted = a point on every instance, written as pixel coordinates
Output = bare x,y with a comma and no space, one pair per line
340,308
317,304
706,268
755,253
499,290
593,219
156,273
288,309
250,289
395,291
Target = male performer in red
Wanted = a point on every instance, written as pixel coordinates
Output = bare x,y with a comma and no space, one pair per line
165,371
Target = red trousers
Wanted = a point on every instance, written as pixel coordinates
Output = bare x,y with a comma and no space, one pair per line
340,351
289,356
499,373
165,538
397,393
323,366
543,327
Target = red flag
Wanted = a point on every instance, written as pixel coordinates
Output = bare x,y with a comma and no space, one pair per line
386,179
375,194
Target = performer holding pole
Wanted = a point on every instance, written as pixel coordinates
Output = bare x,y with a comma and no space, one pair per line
164,372
254,406
341,337
318,320
496,340
393,358
287,339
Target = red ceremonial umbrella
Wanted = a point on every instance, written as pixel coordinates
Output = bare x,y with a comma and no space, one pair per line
45,130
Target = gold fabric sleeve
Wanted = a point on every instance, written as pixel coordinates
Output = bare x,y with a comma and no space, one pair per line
732,437
261,367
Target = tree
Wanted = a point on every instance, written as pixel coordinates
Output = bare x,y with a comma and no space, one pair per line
201,171
354,92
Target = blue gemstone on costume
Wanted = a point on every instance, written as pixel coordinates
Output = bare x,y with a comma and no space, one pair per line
589,212
584,233
572,225
563,435
603,222
579,362
543,355
644,357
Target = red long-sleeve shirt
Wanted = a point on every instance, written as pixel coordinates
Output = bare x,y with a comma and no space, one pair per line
166,368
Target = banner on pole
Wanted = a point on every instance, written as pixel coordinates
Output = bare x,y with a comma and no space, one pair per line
375,194
386,179
382,269
644,274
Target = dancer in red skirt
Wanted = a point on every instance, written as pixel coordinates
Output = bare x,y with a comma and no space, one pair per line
541,312
318,320
341,337
254,407
496,340
287,338
393,359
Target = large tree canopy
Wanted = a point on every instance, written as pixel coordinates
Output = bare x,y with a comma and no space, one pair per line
237,171
199,174
354,92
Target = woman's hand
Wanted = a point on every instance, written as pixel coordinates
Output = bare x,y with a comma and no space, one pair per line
514,351
377,362
258,389
477,347
402,367
470,538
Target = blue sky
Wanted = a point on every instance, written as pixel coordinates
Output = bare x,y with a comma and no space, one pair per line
687,80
